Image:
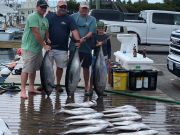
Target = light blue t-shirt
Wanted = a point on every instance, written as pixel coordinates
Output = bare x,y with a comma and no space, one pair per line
84,25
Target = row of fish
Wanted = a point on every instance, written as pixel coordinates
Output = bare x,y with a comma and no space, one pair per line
73,73
114,120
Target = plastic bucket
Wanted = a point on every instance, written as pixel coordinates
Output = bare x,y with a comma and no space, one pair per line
135,80
120,78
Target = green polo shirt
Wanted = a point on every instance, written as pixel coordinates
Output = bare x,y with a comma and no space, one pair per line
28,40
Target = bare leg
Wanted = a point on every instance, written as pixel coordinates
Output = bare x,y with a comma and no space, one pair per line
31,83
86,78
59,72
24,77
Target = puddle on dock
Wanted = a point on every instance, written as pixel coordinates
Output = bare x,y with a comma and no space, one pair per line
36,116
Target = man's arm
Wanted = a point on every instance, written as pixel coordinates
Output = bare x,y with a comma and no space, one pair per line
37,36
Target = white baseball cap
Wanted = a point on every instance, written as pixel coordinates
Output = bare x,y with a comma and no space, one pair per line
84,4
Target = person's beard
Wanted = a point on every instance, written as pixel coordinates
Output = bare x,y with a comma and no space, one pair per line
62,11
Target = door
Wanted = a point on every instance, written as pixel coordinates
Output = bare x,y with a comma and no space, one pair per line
160,28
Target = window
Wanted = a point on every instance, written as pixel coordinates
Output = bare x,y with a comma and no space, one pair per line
177,19
163,18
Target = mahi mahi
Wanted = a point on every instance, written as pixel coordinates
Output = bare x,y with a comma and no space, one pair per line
73,73
47,74
100,73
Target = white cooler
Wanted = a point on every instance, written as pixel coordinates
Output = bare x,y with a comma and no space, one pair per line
129,62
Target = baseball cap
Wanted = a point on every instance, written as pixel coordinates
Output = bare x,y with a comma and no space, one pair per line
84,4
62,3
100,24
42,3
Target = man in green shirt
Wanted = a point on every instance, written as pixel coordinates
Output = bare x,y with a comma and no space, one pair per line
33,38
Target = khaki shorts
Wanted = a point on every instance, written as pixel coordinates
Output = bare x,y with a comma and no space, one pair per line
31,61
60,57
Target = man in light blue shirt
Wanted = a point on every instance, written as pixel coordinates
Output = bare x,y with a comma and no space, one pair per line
86,26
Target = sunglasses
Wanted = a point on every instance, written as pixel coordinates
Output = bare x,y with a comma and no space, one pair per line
43,7
64,7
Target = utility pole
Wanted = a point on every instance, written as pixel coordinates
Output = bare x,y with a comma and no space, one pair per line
97,4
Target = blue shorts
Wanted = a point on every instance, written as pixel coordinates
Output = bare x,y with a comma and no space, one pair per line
87,59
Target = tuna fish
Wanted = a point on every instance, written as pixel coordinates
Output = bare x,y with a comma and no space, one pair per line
100,74
89,122
123,123
4,130
77,112
87,116
73,73
121,114
144,132
129,118
131,127
88,129
117,110
87,104
47,74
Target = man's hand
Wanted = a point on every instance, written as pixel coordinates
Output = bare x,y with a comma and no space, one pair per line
99,43
77,45
47,47
48,41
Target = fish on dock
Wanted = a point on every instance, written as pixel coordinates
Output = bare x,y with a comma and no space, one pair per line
87,129
129,118
100,73
77,111
73,73
123,123
47,74
121,114
87,116
89,122
87,104
144,132
131,127
117,110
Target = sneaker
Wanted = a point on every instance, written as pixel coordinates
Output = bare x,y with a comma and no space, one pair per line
59,89
88,93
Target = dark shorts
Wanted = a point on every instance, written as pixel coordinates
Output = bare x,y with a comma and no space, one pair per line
87,59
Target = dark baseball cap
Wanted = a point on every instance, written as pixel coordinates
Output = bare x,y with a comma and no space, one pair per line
42,3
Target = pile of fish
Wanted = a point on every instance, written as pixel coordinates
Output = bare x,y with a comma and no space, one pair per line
122,120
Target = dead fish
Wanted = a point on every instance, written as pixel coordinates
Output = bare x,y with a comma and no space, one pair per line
87,129
87,116
121,114
116,110
4,129
144,132
89,122
73,73
77,112
131,127
100,73
123,123
87,104
130,118
47,74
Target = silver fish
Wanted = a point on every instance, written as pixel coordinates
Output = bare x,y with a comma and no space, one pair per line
100,73
76,112
4,130
116,110
73,73
144,132
130,118
121,114
131,127
87,129
47,74
87,104
87,116
123,123
89,122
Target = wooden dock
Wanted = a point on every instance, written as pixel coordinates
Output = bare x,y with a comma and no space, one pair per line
10,44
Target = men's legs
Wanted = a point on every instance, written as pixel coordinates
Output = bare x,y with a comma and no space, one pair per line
86,78
24,77
31,83
59,72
